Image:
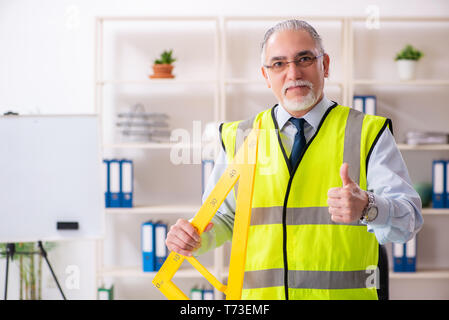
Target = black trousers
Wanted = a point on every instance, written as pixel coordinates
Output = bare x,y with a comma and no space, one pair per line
383,291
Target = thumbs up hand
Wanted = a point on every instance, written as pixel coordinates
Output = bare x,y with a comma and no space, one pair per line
346,203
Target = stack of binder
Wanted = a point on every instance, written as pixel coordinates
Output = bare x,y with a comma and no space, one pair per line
119,175
154,250
422,137
139,125
365,104
404,256
440,184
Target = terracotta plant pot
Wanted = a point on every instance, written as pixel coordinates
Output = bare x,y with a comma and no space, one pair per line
162,71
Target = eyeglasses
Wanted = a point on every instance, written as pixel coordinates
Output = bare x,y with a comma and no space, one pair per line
303,62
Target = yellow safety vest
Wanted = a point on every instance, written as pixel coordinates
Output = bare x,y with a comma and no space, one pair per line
295,250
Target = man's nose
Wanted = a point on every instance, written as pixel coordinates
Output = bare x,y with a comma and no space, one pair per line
293,71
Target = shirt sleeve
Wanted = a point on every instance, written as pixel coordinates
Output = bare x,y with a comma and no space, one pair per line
224,218
399,205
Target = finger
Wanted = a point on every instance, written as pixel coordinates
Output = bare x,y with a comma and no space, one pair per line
336,214
187,227
335,211
334,192
344,174
183,236
209,227
334,202
338,219
177,249
174,240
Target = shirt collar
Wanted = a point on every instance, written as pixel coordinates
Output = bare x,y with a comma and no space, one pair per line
313,117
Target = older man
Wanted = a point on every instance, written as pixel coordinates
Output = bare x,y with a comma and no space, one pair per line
315,228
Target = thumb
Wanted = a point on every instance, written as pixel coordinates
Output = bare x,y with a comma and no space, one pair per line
345,175
208,227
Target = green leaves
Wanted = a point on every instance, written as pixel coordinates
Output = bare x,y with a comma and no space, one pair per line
165,58
26,247
409,53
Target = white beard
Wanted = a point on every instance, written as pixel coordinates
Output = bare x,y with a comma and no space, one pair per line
305,103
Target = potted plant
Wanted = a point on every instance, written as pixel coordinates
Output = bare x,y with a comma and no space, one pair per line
406,61
162,67
30,268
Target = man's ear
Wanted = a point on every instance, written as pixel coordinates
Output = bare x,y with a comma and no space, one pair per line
265,75
326,62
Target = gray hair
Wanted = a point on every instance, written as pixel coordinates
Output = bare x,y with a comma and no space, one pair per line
292,24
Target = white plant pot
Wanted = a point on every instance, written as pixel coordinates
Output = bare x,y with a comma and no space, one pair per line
406,69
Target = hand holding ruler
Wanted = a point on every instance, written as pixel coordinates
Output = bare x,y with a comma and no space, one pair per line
242,168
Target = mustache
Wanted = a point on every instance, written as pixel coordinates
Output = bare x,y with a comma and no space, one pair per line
296,83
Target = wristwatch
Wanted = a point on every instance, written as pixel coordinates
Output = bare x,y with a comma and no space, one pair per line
369,214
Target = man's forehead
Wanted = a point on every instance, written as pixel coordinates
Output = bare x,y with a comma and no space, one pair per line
290,40
295,35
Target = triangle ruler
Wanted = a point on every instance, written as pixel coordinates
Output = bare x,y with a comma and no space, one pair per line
242,169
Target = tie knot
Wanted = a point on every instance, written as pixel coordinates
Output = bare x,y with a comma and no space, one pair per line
299,123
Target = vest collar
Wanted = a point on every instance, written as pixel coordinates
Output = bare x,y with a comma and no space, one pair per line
313,117
276,126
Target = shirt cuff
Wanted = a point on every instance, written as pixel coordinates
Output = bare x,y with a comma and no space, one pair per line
383,211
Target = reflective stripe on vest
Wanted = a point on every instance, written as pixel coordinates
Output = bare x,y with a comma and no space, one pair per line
301,279
295,216
294,249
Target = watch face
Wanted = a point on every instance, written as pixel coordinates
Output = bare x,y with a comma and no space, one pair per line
372,213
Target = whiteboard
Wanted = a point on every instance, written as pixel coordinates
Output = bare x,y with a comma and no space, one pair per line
50,172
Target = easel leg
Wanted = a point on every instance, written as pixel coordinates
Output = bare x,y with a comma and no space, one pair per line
10,250
44,254
6,275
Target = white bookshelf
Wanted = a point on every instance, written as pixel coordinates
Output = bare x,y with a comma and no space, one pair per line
136,272
388,87
424,147
420,82
421,275
151,145
183,85
155,210
152,82
222,81
432,212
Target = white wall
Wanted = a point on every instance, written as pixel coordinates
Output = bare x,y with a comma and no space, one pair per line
46,65
46,56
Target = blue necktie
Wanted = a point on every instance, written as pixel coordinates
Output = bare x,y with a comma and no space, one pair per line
300,140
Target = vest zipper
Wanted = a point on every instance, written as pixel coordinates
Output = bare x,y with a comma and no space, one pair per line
287,192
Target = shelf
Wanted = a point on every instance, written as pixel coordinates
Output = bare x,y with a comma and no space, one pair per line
169,145
150,145
158,81
282,17
157,18
244,81
420,275
400,19
136,272
233,81
167,209
423,147
420,82
435,212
